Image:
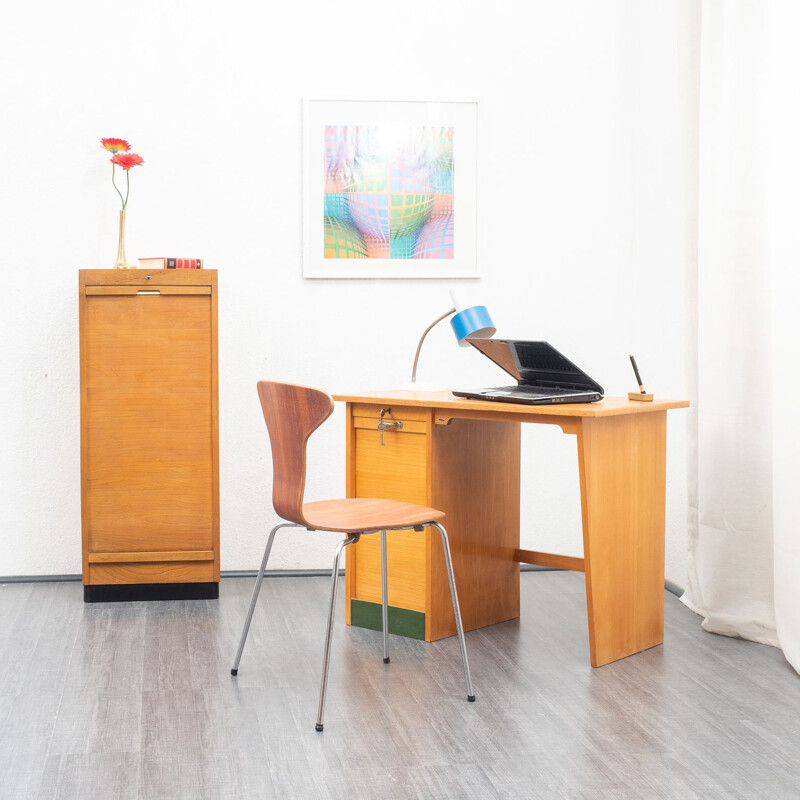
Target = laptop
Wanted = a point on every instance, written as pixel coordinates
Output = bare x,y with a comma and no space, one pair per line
543,375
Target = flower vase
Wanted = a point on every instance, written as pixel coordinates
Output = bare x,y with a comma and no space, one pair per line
122,262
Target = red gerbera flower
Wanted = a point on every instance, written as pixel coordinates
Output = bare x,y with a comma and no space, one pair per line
115,145
126,160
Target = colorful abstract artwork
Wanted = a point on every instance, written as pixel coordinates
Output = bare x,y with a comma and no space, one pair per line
388,192
389,189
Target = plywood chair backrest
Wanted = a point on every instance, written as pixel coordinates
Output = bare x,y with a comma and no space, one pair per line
292,414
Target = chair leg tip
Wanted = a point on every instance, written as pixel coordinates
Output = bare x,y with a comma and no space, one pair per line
318,726
234,672
386,660
471,698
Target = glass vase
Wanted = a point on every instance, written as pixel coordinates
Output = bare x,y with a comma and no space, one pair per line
122,262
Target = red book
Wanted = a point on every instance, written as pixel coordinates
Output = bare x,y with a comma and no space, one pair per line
171,263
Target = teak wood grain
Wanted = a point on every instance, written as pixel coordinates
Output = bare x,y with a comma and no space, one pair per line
549,560
149,426
623,481
151,572
449,469
158,555
475,480
466,463
449,403
366,515
292,414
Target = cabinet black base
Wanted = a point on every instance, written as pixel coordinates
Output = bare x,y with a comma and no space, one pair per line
121,592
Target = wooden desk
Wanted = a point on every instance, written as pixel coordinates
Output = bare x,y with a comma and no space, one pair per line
463,457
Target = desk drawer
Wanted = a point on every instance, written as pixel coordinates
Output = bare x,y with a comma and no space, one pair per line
407,425
369,411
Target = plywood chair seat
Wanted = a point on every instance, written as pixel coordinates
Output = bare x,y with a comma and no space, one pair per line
358,514
292,414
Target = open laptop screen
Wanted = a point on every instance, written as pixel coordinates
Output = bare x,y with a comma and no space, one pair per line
535,363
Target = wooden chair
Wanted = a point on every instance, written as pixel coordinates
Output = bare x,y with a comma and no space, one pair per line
292,414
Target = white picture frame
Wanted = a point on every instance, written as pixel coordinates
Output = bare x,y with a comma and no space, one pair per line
430,226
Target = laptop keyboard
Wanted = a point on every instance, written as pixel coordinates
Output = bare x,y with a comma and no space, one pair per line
518,391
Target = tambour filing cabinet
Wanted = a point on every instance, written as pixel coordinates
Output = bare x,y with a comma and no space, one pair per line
149,434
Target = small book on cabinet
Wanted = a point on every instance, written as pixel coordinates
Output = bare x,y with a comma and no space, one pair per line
170,263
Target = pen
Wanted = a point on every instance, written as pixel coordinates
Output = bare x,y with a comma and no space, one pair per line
638,376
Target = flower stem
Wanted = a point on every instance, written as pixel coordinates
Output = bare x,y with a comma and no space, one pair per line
113,172
128,187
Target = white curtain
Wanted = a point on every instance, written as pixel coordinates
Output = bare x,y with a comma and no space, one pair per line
744,527
783,147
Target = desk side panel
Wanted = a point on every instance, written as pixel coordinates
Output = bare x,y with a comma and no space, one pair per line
475,481
623,483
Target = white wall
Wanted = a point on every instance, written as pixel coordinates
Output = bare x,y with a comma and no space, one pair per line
582,224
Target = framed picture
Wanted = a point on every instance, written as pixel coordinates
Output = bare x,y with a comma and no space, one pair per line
389,189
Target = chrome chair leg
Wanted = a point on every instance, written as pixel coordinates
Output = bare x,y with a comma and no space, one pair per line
351,539
456,609
385,601
256,589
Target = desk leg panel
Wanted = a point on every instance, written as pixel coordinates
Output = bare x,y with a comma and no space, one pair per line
622,462
475,468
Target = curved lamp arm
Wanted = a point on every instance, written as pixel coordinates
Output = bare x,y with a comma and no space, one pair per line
422,339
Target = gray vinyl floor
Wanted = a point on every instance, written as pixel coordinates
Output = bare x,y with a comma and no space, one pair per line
135,700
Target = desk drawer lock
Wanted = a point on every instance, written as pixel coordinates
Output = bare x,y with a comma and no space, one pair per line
383,425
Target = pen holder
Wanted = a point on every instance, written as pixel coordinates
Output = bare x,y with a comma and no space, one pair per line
644,398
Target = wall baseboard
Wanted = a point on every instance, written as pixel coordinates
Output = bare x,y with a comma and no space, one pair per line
234,573
38,578
277,573
674,588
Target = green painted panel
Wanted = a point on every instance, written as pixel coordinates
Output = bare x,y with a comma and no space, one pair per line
402,621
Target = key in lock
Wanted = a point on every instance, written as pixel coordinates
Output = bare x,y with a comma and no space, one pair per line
383,425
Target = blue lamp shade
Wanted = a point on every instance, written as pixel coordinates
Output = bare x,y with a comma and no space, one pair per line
473,321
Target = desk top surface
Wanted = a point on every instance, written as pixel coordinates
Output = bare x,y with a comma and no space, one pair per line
609,406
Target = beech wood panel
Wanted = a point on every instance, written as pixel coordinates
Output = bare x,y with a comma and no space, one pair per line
149,424
475,480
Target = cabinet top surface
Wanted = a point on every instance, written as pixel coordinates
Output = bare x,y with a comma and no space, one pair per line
609,406
136,277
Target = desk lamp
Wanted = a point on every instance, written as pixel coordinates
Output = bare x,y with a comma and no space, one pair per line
467,322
